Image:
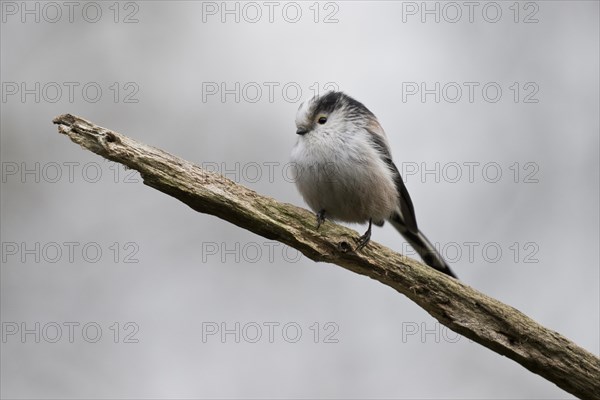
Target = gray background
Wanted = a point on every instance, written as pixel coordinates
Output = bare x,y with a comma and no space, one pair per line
177,285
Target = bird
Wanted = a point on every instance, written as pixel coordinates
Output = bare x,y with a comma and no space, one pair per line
345,172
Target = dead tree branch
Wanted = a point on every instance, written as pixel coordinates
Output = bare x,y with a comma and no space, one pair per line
466,311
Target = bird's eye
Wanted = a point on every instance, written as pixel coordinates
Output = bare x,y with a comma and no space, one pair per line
322,120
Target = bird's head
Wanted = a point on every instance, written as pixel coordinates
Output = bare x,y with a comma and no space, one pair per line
332,113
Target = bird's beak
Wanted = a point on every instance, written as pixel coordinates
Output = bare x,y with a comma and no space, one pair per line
301,131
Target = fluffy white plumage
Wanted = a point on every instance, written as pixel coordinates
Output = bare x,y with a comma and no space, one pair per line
338,168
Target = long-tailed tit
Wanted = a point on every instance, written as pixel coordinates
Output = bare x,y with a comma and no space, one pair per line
345,171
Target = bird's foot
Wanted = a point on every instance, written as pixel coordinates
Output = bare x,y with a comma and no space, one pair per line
320,218
364,239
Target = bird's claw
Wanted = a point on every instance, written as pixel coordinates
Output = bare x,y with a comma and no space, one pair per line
364,239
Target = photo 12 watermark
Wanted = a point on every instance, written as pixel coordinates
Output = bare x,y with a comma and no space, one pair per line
54,172
71,252
70,92
270,332
518,172
481,253
265,92
52,12
69,332
252,12
470,92
453,12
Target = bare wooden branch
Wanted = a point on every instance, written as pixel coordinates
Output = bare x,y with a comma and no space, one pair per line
466,311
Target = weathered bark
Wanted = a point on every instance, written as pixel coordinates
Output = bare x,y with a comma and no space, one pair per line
474,315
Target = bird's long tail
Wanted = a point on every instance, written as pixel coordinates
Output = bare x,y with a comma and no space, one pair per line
423,246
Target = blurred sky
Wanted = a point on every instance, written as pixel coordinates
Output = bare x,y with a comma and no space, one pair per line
85,245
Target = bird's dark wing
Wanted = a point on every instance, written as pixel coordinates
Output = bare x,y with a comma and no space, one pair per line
406,206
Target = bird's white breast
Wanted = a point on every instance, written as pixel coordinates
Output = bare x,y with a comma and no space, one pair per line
345,176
